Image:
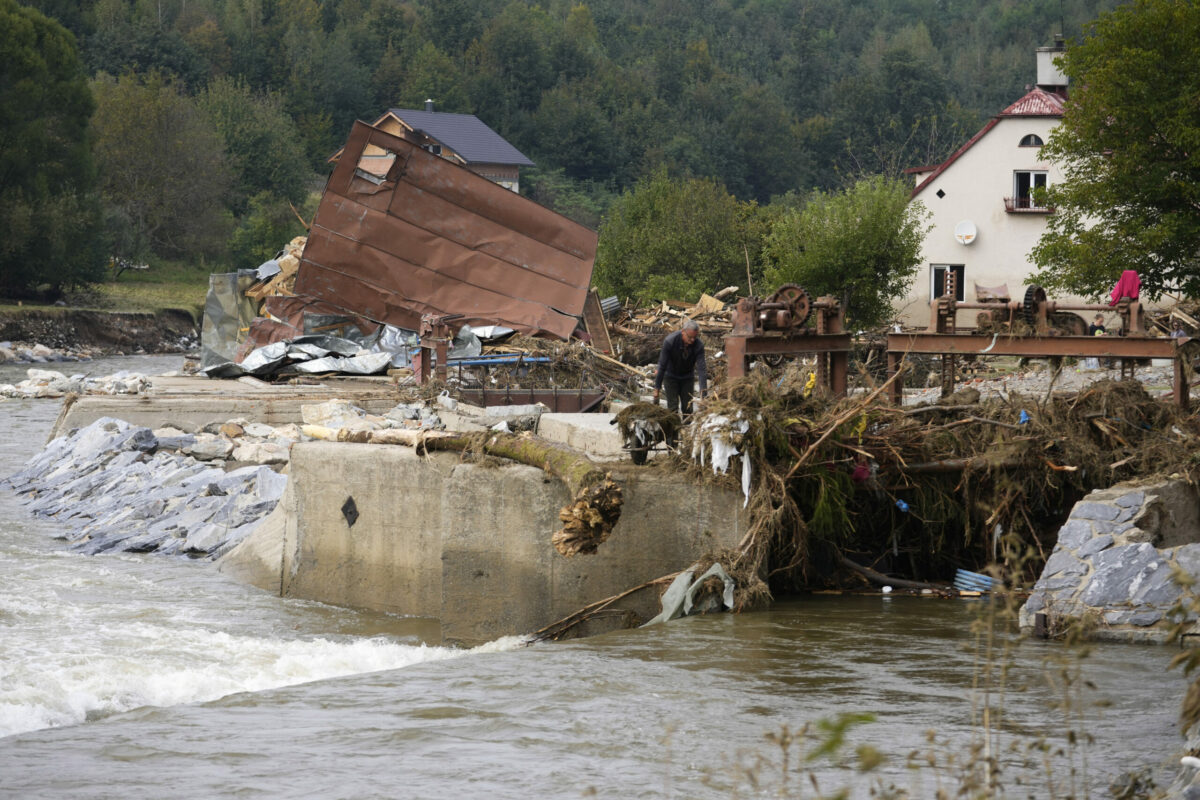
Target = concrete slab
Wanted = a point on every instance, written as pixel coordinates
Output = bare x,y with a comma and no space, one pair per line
593,434
190,403
470,545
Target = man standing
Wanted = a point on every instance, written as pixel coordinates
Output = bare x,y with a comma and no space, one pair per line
681,361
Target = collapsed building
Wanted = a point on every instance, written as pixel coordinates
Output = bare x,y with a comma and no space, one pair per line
426,247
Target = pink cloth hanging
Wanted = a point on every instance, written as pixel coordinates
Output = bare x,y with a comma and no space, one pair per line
1128,285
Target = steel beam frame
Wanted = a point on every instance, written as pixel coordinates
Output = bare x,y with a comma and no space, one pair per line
974,344
836,346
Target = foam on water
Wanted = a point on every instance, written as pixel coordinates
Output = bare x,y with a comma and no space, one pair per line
96,673
83,637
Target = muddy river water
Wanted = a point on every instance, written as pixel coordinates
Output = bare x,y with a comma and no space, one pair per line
130,676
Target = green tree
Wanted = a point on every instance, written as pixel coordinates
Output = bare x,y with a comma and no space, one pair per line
1129,146
765,134
574,134
133,38
430,75
260,141
327,89
268,224
48,209
514,56
164,175
673,239
861,245
583,201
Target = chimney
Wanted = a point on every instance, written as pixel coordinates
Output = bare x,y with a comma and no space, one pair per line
1049,76
429,103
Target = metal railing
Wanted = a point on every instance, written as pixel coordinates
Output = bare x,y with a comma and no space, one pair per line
1025,205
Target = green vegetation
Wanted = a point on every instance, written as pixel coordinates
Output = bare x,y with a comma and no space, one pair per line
675,239
861,246
48,208
165,286
211,116
1129,144
164,172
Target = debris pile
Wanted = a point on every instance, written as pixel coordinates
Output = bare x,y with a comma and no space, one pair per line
836,484
709,312
277,276
638,331
319,354
643,426
39,354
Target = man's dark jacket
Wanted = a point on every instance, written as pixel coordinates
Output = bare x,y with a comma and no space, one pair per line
681,361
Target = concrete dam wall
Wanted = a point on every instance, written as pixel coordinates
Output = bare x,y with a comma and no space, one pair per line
468,544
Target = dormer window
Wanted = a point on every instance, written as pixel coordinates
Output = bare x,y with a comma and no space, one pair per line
1031,140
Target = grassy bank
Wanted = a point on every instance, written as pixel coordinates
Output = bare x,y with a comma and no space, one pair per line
159,288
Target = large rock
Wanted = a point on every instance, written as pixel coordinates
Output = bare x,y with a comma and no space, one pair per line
1114,560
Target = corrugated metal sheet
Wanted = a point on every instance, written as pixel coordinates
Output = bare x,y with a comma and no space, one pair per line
434,238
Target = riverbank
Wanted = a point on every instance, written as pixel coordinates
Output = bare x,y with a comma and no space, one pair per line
47,335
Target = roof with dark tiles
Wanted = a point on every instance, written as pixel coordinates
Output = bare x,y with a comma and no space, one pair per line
465,134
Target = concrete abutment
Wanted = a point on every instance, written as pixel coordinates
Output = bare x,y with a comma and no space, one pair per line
469,544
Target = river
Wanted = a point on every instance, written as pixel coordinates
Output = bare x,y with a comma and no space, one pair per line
141,676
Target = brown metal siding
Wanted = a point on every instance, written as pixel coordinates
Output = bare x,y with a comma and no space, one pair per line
436,238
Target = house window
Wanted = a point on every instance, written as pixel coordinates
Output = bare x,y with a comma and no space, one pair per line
1025,183
1031,140
436,149
937,281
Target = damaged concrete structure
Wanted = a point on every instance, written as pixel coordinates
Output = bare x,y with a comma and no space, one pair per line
379,527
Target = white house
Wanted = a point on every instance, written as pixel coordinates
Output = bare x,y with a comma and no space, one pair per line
985,219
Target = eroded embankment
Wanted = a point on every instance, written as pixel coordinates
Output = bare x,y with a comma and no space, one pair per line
101,332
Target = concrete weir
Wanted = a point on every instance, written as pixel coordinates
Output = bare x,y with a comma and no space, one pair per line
189,403
379,527
466,544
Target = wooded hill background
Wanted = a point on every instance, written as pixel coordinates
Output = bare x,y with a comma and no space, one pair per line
766,97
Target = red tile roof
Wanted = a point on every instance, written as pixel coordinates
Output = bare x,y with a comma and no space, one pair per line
1036,103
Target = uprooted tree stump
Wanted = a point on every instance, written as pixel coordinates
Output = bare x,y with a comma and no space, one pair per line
588,520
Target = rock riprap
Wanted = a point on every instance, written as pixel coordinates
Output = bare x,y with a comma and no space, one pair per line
116,486
1113,563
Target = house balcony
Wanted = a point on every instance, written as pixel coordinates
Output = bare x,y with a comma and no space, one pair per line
1025,205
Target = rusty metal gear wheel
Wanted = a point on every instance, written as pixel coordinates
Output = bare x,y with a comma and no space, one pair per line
1034,297
798,301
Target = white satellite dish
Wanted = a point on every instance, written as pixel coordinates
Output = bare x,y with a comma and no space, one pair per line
965,232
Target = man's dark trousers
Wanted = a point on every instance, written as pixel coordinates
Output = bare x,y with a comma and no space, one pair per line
678,392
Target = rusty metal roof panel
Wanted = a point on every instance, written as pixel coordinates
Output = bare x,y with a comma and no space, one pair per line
434,238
